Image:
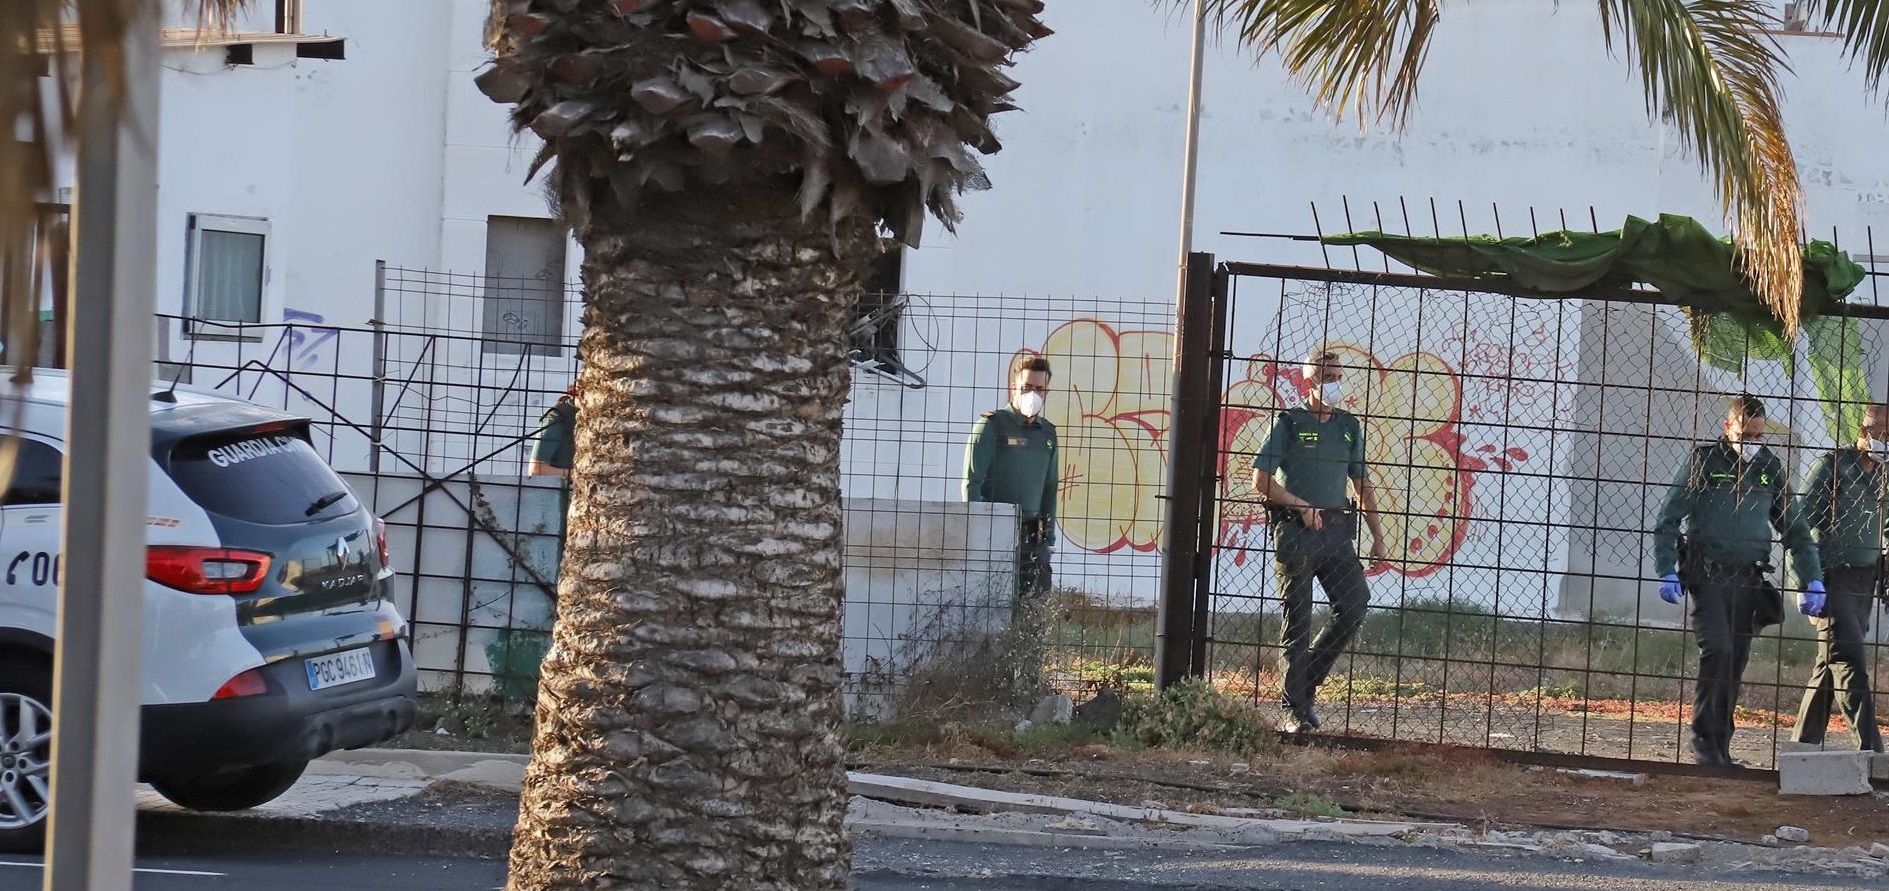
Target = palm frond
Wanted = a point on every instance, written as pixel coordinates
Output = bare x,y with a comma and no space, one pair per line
1864,25
1711,67
1355,56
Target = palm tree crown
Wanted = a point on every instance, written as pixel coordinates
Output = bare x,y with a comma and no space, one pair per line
869,104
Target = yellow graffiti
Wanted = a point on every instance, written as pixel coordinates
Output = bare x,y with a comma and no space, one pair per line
1109,403
1409,409
1110,407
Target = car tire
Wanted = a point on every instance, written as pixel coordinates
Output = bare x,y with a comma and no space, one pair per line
25,753
233,790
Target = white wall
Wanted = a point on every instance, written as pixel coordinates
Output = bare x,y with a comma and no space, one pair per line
1520,106
369,178
485,163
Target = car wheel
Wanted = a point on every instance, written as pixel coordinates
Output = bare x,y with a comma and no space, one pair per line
233,790
25,755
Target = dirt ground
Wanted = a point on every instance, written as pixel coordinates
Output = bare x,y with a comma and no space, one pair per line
1468,787
1642,731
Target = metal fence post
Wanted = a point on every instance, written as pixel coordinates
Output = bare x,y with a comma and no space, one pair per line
376,426
1192,401
97,669
1208,484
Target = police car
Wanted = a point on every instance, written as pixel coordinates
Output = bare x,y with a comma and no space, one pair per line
269,634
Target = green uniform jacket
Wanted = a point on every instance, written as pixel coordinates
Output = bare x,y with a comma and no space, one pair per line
1843,503
1728,507
1012,460
1316,459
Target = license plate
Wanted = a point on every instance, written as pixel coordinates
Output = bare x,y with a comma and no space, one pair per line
337,669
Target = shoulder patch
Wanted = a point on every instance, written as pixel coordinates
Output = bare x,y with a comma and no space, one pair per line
989,414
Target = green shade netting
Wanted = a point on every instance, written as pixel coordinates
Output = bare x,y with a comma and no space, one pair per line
1690,267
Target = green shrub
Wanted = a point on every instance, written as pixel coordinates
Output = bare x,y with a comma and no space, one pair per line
1310,804
1194,715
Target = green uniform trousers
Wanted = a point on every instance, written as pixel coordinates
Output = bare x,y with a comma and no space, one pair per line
1842,660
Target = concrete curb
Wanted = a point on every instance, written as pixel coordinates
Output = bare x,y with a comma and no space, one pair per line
431,764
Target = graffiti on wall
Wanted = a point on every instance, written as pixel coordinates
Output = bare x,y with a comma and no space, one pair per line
1424,483
1110,407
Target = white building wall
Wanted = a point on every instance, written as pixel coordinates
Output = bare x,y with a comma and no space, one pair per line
1521,106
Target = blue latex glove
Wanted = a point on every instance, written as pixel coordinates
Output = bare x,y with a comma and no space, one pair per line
1811,602
1669,589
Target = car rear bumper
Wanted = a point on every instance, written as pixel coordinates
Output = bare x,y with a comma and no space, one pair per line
289,723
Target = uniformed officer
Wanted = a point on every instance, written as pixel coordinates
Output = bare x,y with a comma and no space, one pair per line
1728,496
1843,503
555,452
1012,459
1309,455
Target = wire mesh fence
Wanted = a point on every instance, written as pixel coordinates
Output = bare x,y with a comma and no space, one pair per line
904,458
1521,451
429,409
431,405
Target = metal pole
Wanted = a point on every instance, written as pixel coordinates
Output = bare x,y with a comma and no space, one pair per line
1208,462
1190,163
1175,630
376,424
1174,621
98,672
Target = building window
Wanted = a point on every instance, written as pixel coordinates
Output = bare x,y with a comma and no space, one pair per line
524,283
228,268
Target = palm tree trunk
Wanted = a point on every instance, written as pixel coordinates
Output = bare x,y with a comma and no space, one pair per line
689,711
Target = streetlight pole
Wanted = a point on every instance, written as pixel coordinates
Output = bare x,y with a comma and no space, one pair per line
1174,616
97,671
1190,163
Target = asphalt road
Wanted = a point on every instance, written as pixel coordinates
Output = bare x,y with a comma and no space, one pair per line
244,871
911,866
883,865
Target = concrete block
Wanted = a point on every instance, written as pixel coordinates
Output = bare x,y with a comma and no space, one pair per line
1602,851
1823,773
501,776
1676,852
1879,767
1053,709
1793,834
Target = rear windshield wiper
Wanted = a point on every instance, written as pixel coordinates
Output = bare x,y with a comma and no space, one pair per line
324,502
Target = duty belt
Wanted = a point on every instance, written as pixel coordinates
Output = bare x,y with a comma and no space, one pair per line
1735,567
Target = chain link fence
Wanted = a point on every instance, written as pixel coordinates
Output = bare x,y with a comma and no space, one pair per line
431,405
1521,450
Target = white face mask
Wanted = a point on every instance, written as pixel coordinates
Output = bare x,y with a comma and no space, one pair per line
1331,392
1030,404
1749,449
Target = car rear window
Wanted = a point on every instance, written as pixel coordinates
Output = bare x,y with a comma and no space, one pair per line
273,478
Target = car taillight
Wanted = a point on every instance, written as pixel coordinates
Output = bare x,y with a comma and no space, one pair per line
206,570
249,683
380,539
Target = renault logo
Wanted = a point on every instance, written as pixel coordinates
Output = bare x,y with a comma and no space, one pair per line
341,549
